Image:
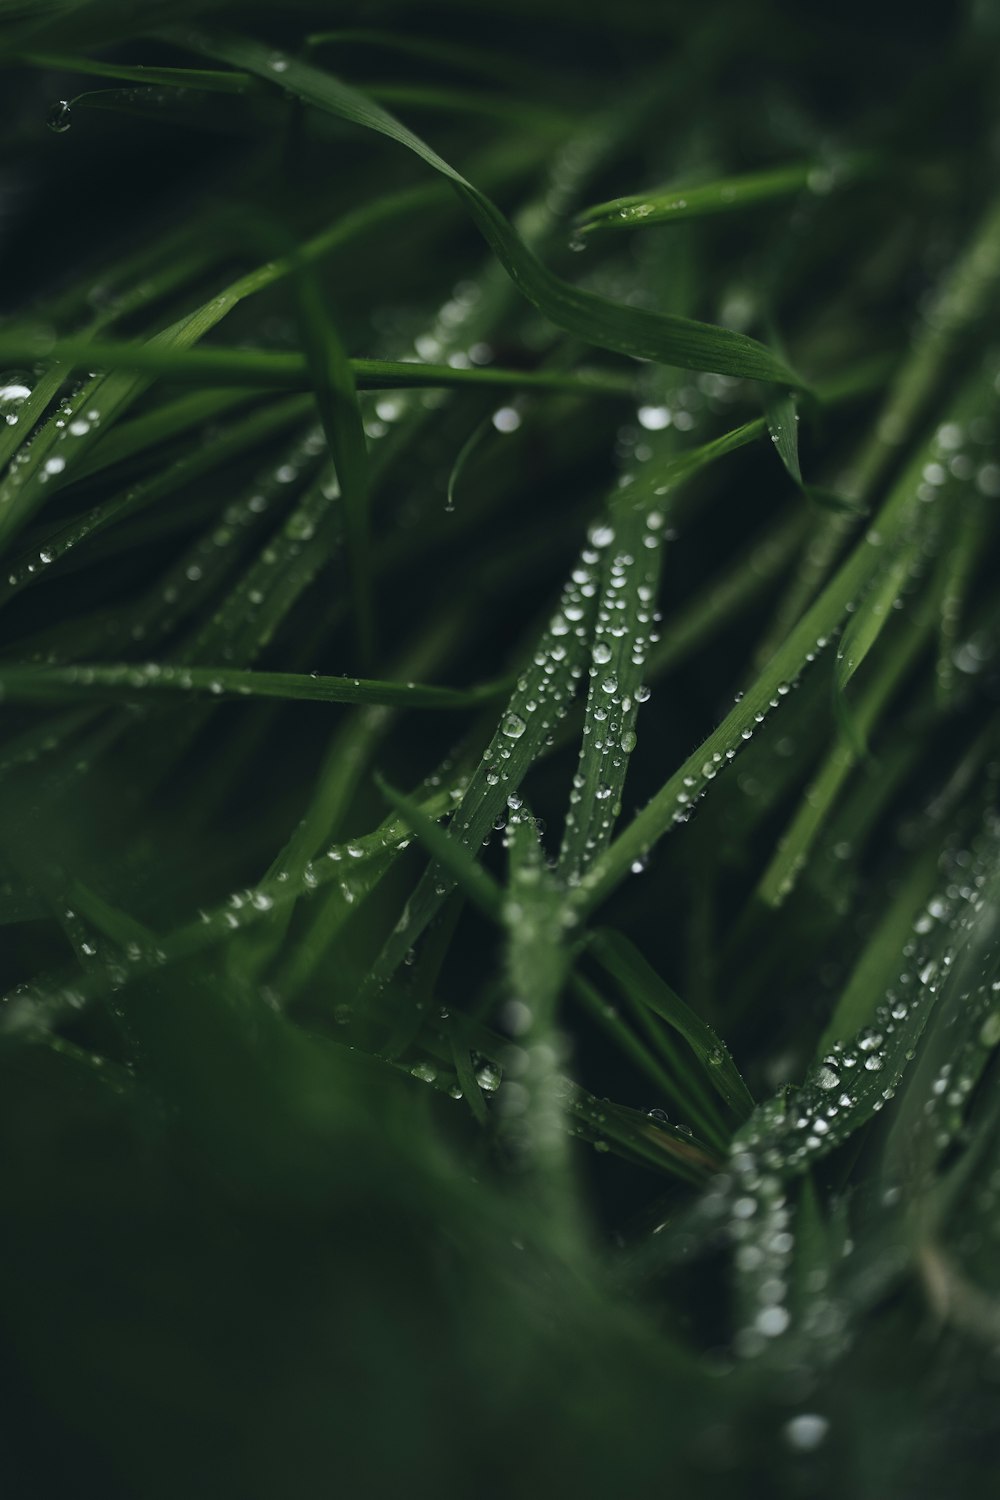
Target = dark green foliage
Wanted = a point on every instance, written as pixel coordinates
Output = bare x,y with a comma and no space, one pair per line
499,847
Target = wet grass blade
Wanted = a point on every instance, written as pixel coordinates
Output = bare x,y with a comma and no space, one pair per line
723,196
126,681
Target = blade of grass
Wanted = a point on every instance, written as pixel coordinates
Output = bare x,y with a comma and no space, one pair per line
630,971
109,680
723,196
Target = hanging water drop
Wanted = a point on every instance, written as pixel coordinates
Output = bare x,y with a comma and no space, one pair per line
60,116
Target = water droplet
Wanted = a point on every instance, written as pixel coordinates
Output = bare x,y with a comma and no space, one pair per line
988,480
14,391
806,1432
772,1321
506,419
513,726
60,116
989,1032
654,418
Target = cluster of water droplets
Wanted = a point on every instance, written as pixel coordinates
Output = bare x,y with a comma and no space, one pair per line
624,630
545,689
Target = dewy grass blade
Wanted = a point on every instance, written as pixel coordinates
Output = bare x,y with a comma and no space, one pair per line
595,320
782,412
353,866
170,359
724,196
632,540
125,681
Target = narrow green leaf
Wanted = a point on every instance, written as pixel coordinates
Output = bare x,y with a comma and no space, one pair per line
723,196
337,399
126,680
212,80
171,359
782,412
633,974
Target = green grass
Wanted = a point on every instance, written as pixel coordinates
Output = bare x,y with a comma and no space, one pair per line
500,857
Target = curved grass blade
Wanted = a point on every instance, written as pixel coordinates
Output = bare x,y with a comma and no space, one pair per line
595,320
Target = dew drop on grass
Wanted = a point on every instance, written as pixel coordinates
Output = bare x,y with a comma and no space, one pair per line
988,481
506,419
772,1321
14,391
513,726
989,1032
60,116
806,1432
